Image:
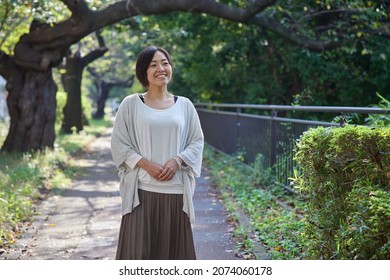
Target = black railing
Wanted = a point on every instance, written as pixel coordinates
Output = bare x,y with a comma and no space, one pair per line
229,130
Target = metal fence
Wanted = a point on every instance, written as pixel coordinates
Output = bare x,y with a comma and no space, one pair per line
228,129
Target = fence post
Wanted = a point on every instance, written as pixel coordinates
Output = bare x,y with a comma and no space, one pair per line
274,114
238,124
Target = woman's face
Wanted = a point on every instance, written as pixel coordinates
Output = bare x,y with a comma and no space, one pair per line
159,72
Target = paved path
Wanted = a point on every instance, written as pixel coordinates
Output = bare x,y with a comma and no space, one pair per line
83,222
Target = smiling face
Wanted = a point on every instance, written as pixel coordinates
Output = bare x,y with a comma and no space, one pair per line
150,58
159,72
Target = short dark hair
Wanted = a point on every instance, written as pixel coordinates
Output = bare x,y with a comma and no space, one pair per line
143,62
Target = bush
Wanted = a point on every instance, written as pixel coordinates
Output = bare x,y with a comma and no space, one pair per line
346,180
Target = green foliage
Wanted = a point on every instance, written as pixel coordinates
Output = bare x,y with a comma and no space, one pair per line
323,76
333,19
4,126
61,98
87,106
346,181
12,23
245,245
73,143
118,63
16,17
61,101
381,119
223,61
211,64
24,179
274,215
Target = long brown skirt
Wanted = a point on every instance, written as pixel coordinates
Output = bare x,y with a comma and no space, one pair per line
157,229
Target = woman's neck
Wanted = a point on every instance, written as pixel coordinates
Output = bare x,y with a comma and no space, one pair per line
160,93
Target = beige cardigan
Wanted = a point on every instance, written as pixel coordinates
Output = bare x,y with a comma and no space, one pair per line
124,145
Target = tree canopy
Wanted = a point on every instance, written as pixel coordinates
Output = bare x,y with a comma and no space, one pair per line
313,52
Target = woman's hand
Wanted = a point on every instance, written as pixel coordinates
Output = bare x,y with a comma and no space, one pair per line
152,168
160,173
169,170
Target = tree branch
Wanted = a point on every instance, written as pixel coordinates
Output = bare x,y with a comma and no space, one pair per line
48,39
201,6
251,15
278,28
93,55
100,38
77,7
113,82
383,32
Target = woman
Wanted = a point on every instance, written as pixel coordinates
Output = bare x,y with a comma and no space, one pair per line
157,145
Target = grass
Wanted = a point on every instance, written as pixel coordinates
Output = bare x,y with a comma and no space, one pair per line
275,215
72,143
26,178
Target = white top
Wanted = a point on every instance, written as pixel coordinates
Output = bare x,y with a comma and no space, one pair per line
157,135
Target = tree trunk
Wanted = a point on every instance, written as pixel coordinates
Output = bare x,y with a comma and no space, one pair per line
72,85
73,111
32,106
105,89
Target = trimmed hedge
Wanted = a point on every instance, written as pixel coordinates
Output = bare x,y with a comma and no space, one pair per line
346,181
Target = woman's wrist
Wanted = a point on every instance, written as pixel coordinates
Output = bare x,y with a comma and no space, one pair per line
142,163
179,161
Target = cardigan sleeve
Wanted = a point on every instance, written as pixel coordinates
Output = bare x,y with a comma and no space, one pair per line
194,142
124,152
123,145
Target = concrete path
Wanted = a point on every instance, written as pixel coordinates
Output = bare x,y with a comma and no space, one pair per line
83,222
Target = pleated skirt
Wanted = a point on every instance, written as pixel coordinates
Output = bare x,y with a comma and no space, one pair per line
157,229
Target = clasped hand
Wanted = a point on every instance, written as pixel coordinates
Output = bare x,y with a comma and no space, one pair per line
162,173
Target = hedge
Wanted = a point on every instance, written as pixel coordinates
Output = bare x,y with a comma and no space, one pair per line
345,179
